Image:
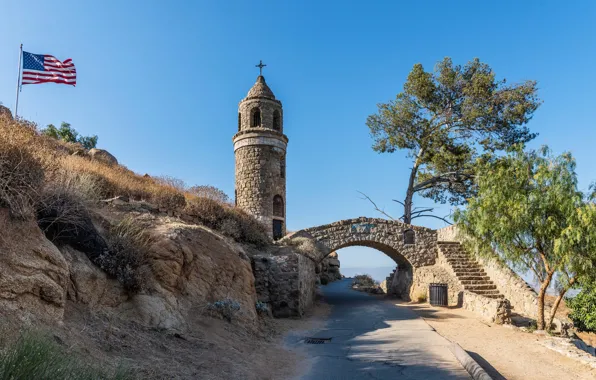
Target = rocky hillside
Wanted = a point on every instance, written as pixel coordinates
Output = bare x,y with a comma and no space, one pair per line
124,269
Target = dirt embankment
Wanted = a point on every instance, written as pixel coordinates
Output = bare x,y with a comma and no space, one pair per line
166,330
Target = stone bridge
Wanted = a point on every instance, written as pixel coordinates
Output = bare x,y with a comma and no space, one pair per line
408,246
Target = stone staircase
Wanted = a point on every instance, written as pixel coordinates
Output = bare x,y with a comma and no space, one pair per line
469,273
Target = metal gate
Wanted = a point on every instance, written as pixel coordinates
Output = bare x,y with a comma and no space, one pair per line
438,294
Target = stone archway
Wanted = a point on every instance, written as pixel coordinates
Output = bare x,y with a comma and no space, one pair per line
395,239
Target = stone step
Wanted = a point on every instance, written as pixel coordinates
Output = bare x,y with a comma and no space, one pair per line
462,273
465,266
484,292
476,282
475,287
493,296
474,278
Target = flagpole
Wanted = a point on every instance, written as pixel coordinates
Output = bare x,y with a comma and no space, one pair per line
16,107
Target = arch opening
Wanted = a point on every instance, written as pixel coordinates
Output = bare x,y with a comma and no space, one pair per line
276,121
256,117
399,271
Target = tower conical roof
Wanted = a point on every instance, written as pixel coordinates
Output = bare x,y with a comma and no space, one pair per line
260,89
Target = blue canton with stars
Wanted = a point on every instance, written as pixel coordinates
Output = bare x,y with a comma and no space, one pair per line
33,61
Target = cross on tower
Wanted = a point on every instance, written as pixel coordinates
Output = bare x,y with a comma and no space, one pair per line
260,66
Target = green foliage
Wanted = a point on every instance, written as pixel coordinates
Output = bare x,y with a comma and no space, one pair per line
36,356
530,213
364,280
448,118
583,308
68,134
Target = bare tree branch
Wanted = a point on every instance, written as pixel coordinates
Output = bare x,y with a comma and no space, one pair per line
433,216
377,208
401,203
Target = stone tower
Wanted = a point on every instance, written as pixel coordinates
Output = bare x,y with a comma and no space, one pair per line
260,150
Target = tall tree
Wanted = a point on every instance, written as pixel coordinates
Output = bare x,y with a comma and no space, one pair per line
529,213
444,120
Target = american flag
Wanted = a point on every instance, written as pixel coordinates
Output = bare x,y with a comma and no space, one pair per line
43,68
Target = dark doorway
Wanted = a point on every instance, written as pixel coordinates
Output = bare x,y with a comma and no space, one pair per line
278,227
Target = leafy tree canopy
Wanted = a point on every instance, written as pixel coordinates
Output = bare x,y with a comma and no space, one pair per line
445,120
529,212
68,134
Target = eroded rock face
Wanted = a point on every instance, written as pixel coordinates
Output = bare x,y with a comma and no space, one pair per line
103,155
33,272
193,266
330,269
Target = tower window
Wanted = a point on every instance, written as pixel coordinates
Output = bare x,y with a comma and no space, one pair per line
256,117
276,121
278,206
239,121
409,237
282,167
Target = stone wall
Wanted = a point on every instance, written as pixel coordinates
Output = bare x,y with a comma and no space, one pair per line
284,280
424,276
491,309
522,297
308,282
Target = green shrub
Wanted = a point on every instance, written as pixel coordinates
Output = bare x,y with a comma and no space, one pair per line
364,280
583,309
68,134
36,356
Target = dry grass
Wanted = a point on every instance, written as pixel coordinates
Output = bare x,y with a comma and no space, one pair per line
44,155
231,221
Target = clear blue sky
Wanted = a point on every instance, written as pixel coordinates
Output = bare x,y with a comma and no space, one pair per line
160,82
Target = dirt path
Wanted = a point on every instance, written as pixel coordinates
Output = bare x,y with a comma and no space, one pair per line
503,352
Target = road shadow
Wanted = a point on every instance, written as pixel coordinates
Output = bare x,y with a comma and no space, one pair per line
492,371
428,313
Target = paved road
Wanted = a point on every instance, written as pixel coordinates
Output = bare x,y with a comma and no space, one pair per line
372,338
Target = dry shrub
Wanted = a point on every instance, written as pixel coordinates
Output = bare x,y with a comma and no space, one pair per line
231,221
211,192
127,256
21,177
170,181
55,156
62,215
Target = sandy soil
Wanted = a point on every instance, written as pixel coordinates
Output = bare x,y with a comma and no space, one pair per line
503,352
212,349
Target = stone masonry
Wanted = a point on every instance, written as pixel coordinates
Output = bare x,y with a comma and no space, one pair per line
260,151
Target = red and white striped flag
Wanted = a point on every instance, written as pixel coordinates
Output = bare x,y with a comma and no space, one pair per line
43,68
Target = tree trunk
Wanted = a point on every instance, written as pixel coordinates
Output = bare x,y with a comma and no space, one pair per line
410,192
541,294
555,306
